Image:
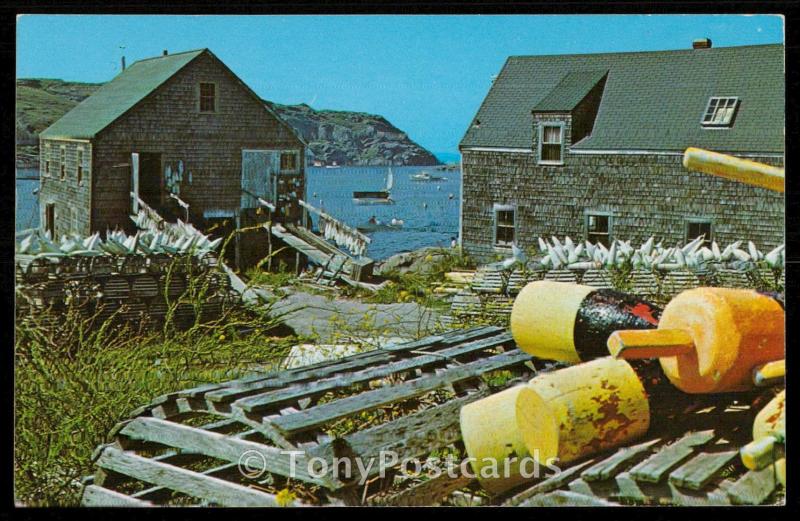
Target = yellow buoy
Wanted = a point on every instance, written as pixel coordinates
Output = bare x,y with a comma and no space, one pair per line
571,322
769,431
583,409
710,340
492,440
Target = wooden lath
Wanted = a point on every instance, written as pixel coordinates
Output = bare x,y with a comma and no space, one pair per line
689,457
417,387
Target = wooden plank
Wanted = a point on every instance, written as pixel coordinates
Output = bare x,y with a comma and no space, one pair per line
220,446
606,468
186,481
754,487
555,481
425,494
656,466
293,393
566,498
349,363
95,496
698,471
411,436
321,414
629,489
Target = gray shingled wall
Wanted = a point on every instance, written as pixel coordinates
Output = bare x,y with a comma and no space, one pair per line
648,194
72,200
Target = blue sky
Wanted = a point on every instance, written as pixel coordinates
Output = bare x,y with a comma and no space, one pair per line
425,74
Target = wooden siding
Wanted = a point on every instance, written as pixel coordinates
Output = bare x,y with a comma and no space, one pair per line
72,200
209,144
647,194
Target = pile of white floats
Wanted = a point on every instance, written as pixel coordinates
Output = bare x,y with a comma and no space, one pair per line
175,239
567,254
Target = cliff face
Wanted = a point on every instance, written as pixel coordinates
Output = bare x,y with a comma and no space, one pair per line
348,138
353,138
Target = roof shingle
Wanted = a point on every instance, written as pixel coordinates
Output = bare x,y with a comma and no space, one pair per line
116,97
651,100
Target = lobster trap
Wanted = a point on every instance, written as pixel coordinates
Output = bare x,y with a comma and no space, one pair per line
242,443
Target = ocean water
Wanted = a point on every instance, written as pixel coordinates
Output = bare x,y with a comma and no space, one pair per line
429,209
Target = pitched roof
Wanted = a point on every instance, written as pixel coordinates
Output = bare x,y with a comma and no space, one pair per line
570,91
651,100
119,95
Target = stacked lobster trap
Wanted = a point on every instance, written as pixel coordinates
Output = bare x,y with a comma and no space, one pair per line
130,288
490,292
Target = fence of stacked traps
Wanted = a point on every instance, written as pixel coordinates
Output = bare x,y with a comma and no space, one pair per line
651,271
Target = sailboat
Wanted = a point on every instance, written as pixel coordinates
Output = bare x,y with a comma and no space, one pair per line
376,197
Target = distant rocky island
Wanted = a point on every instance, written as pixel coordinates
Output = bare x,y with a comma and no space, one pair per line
340,137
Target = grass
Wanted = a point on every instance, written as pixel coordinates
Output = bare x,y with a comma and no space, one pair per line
73,383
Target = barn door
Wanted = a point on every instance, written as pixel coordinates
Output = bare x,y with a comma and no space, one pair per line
259,176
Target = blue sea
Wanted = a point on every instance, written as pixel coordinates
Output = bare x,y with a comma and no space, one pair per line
429,209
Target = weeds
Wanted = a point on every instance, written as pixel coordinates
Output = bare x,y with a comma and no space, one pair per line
74,382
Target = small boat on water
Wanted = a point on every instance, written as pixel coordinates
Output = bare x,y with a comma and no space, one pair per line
374,225
425,176
333,164
376,196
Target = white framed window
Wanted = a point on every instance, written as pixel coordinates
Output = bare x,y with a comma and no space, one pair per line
720,111
504,225
598,227
697,226
551,143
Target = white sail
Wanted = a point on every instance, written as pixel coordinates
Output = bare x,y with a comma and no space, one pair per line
389,180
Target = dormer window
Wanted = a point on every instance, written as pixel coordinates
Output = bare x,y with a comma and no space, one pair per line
551,144
720,112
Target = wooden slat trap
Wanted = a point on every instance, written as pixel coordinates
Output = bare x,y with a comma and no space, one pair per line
184,448
689,457
130,287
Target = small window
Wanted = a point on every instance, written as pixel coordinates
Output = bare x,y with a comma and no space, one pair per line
63,162
551,144
208,97
288,161
47,160
80,166
598,229
697,227
503,225
720,112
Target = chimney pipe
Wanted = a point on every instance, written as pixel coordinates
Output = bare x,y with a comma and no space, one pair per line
123,63
701,43
165,52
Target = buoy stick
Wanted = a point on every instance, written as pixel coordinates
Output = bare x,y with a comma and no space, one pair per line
654,343
770,373
734,168
762,452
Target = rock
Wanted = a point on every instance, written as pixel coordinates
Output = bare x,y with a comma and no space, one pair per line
349,138
417,261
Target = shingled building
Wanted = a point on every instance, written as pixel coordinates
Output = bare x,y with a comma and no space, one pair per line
590,146
198,134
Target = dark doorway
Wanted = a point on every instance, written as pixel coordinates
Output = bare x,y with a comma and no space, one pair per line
150,178
50,220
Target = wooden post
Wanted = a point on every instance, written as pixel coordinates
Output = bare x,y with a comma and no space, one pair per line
237,251
135,181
